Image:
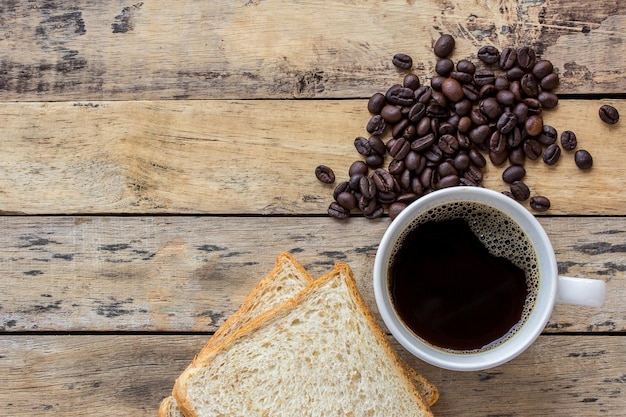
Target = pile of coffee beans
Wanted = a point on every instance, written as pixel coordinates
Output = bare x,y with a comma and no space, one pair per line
442,134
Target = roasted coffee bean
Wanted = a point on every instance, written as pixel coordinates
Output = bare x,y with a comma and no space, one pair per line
404,180
376,125
358,167
526,57
478,118
464,141
436,82
446,168
608,114
488,90
477,158
489,54
532,149
337,211
448,144
466,66
508,58
506,122
423,143
401,96
501,83
463,108
375,160
347,200
400,149
467,182
402,61
548,100
505,97
391,113
568,140
396,167
542,68
534,106
411,81
513,173
520,191
483,77
517,156
462,77
438,111
547,136
407,198
474,174
551,154
354,182
451,88
447,181
479,134
444,46
425,177
529,85
490,108
377,213
549,82
399,129
387,198
539,203
423,94
508,194
362,146
433,154
416,112
465,124
367,187
412,160
383,180
471,92
516,89
377,145
583,159
395,209
534,125
447,128
340,188
461,161
325,174
497,148
376,103
521,112
514,138
423,126
516,73
444,67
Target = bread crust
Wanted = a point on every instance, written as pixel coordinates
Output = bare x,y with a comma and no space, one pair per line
206,355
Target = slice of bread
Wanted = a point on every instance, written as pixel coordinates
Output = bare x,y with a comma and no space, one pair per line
320,353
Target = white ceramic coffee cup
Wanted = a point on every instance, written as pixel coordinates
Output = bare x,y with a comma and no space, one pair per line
552,287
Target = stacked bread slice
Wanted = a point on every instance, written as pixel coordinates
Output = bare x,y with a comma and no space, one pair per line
299,346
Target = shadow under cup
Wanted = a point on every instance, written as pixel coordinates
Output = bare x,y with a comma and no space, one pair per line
502,225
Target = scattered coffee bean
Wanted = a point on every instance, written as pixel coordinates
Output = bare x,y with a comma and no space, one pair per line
539,203
520,191
402,61
438,135
568,140
608,114
513,173
325,174
444,46
583,159
337,211
489,54
551,154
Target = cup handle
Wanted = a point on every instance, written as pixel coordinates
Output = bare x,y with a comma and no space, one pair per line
581,291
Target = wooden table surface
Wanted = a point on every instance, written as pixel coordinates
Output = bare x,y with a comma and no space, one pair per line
157,155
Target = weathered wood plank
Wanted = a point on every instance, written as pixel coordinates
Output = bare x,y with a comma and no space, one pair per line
129,375
59,50
236,157
191,273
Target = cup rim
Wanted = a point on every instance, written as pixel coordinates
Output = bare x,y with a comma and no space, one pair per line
523,337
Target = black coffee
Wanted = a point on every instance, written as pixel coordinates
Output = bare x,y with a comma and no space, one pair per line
464,277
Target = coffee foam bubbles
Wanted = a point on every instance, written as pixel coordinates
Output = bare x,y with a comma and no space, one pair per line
502,237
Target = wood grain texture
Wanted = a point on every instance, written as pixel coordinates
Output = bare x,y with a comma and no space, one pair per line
191,273
158,49
129,375
245,157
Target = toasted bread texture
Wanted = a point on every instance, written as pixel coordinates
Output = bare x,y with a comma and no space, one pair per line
321,353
